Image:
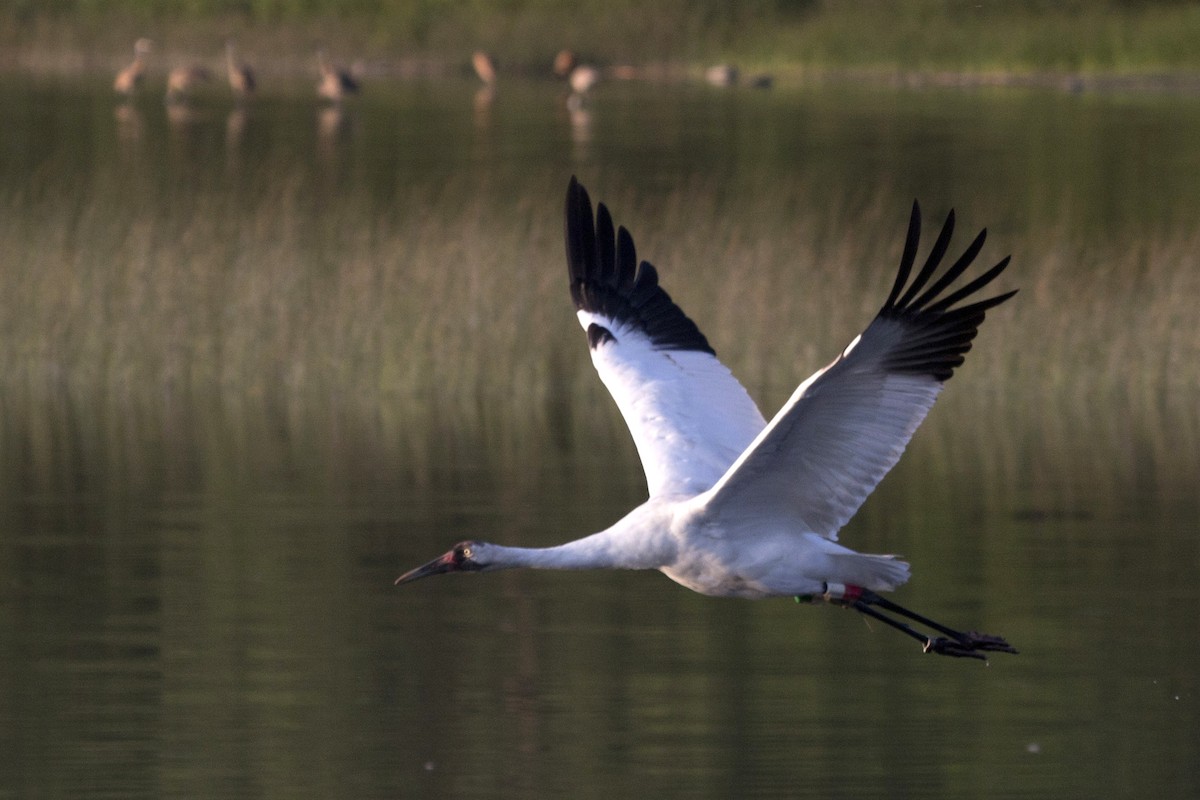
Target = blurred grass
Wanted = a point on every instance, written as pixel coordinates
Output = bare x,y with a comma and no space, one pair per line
793,38
440,329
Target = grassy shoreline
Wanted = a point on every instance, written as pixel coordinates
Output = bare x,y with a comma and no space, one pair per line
1075,45
392,338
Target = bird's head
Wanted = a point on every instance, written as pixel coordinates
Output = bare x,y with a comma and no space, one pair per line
463,557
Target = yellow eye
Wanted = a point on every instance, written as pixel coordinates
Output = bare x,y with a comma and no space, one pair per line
466,552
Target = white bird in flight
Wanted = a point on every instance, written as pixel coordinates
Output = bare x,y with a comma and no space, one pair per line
740,507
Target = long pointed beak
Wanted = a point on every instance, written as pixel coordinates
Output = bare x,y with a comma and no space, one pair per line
441,564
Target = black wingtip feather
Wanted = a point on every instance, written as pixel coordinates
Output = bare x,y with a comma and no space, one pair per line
910,254
939,334
579,235
606,278
949,276
932,261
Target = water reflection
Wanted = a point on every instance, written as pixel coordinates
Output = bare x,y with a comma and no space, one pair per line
581,128
130,123
183,116
248,630
332,127
485,96
235,128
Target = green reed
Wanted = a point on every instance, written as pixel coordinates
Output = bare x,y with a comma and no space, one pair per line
331,327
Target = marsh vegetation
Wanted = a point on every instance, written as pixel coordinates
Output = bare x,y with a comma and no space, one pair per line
794,39
254,360
203,273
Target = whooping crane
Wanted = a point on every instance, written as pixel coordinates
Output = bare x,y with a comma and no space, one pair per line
739,507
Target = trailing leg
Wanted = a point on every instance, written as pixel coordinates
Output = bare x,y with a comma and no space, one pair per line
972,639
959,644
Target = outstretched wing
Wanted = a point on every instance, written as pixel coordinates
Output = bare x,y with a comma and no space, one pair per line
846,426
690,418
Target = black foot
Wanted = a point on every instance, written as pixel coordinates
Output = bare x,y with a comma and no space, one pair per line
992,644
969,644
948,647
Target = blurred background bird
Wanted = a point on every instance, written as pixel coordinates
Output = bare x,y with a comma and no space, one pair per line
240,74
130,77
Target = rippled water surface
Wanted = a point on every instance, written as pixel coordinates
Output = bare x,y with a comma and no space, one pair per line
258,361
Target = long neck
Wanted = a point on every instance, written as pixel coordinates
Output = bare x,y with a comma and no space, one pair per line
619,547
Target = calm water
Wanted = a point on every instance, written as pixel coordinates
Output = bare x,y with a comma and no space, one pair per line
196,593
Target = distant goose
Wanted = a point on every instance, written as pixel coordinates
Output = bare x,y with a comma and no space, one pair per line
583,78
722,75
130,77
485,66
565,61
182,81
241,75
580,78
336,82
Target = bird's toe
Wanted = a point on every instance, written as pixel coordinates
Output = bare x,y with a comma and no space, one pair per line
950,647
984,641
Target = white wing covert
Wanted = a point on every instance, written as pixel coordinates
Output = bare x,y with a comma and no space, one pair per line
689,417
847,425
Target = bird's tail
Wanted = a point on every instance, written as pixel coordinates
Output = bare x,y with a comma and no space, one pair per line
877,573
